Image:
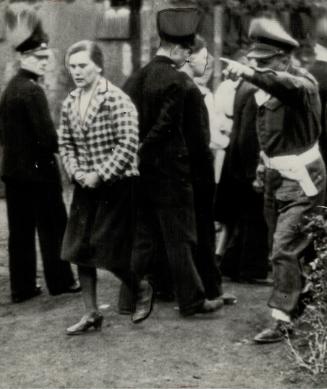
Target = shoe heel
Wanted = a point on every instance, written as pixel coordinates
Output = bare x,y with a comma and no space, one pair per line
81,327
98,323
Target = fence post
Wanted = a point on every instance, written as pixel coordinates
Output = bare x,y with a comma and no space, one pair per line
145,31
217,42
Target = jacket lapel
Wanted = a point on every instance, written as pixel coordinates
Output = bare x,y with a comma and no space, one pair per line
95,103
74,111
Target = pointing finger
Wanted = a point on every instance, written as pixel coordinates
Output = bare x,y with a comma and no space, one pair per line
225,60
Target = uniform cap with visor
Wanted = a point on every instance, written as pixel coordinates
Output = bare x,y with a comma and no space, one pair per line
26,34
269,39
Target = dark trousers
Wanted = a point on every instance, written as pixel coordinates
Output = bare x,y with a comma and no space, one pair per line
204,258
35,207
246,255
285,206
170,225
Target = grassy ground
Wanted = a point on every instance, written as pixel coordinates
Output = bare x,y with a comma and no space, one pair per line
166,351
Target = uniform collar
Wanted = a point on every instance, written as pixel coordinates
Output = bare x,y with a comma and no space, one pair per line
164,59
28,74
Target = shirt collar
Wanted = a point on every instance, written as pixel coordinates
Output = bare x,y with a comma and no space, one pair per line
321,53
164,59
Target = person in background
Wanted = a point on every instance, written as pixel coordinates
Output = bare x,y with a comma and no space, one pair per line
224,207
246,256
288,128
238,207
30,171
203,120
98,143
173,151
319,71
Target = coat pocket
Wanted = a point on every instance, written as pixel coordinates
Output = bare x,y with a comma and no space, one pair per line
288,190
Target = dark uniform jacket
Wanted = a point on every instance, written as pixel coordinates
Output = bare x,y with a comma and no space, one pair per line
289,122
27,132
174,132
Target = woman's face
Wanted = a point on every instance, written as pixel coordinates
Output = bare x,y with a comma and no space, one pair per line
199,62
82,69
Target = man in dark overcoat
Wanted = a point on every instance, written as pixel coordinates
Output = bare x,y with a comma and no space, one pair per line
32,178
169,150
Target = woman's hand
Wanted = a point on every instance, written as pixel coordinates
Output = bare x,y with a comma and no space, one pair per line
79,177
91,180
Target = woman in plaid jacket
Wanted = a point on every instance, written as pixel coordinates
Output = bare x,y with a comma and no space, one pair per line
98,143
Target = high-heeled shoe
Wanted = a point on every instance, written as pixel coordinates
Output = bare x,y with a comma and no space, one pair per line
87,322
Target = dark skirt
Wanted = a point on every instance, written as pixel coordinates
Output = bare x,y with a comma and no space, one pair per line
100,228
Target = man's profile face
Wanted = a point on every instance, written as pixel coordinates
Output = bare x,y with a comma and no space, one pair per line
199,62
277,63
36,62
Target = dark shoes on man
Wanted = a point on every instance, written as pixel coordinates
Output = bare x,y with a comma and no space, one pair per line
229,299
145,297
74,288
275,334
15,298
210,306
144,302
258,281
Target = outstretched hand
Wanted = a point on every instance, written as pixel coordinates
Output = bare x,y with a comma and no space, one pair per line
234,70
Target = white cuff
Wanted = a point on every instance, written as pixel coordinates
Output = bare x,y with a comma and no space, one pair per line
280,315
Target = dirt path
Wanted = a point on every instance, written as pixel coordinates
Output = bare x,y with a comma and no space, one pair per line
166,351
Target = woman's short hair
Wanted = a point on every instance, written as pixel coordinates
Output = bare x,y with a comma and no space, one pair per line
199,44
91,47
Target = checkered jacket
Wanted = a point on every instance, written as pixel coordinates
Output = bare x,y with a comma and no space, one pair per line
107,141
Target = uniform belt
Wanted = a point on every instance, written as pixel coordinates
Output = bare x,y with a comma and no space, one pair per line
294,167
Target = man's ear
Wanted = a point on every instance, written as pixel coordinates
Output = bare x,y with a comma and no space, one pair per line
189,52
174,50
24,58
286,60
